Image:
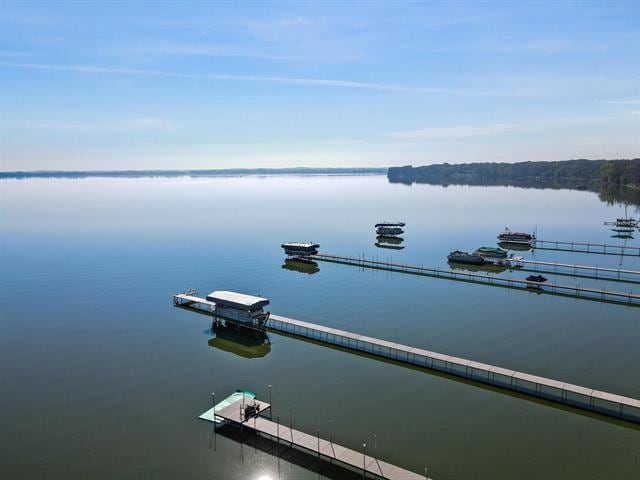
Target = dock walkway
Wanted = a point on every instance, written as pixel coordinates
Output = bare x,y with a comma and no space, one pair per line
328,450
586,293
584,247
584,398
582,271
605,403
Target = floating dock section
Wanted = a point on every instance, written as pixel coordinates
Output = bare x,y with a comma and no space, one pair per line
585,293
371,467
582,271
625,408
584,247
597,401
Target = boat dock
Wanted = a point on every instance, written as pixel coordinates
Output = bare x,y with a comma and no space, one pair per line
583,247
584,398
585,293
370,466
583,271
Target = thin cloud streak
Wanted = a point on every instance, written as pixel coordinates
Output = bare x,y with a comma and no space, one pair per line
322,82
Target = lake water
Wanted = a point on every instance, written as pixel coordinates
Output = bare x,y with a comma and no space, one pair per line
103,378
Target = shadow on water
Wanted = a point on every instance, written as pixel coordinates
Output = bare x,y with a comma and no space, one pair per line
287,454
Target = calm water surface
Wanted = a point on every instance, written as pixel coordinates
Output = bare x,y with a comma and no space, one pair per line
103,378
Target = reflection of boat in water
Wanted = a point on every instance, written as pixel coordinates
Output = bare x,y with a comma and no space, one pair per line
242,341
393,240
518,247
624,236
390,246
623,230
469,267
516,237
301,265
465,257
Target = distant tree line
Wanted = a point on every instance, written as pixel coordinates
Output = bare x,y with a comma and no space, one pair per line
581,173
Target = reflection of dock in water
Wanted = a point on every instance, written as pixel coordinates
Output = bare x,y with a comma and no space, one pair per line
302,265
242,341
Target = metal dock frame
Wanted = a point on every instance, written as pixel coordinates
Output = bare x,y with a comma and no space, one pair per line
576,291
584,398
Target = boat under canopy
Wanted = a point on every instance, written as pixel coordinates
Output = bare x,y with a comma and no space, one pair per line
516,237
302,249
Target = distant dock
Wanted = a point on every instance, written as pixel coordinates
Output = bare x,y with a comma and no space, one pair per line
585,247
581,271
585,293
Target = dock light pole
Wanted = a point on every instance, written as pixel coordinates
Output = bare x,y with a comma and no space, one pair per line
364,460
375,446
213,400
425,474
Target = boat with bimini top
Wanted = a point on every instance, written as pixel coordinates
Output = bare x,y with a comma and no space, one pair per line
516,237
465,257
300,249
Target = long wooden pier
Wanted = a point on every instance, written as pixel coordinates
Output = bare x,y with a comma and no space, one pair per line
597,401
585,247
370,466
585,293
581,271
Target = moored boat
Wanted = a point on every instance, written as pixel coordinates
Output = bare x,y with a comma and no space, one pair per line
301,249
491,254
465,257
389,230
390,224
516,237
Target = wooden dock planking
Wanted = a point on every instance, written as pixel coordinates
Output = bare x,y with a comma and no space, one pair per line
314,444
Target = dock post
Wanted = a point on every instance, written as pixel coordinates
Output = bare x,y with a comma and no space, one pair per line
270,406
375,446
364,460
215,436
318,433
331,431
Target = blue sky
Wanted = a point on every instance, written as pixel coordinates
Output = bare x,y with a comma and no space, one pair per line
118,85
